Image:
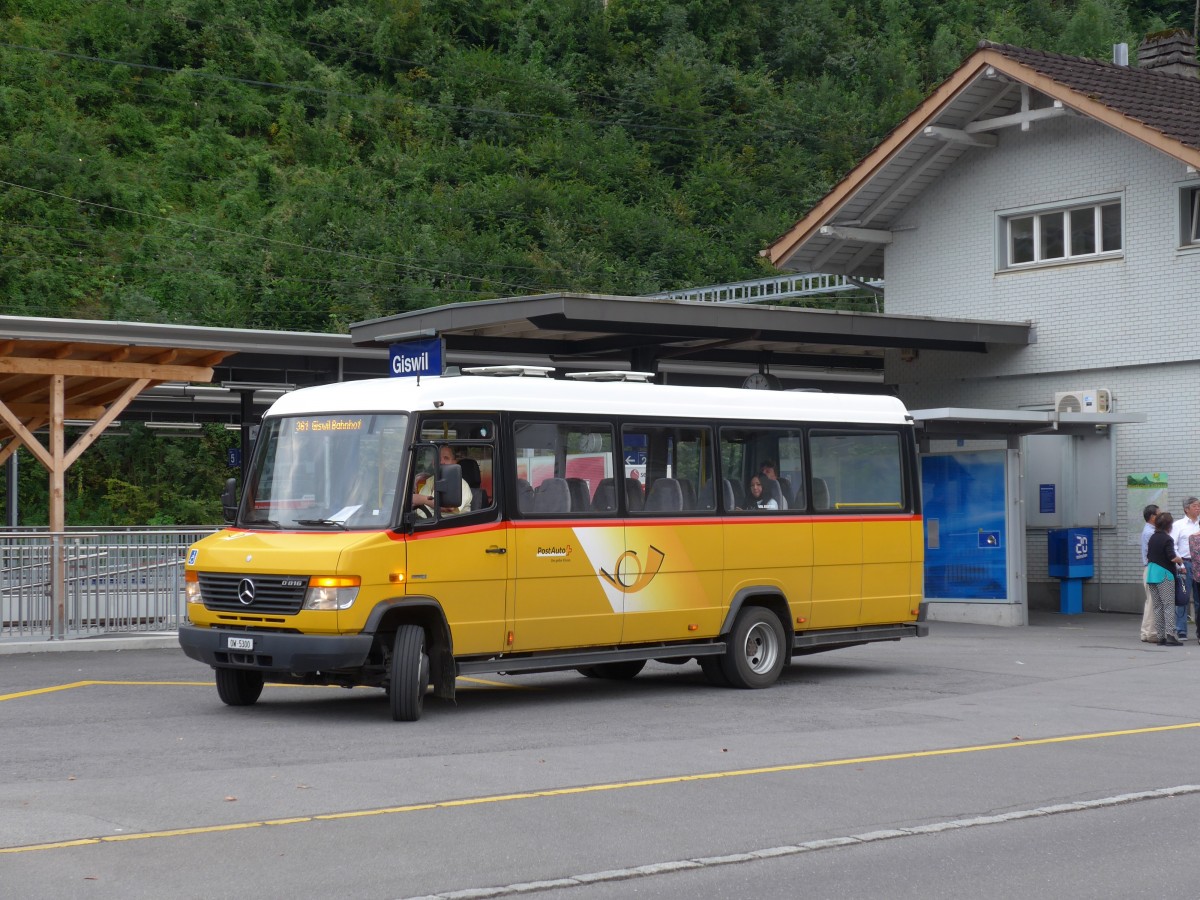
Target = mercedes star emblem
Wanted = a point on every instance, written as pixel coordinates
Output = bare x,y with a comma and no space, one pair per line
246,591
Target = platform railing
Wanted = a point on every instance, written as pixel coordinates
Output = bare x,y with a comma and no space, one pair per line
113,581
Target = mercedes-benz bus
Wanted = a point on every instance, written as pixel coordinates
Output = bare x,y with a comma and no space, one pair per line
401,533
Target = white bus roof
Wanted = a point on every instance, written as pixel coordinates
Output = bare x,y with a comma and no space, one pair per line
470,393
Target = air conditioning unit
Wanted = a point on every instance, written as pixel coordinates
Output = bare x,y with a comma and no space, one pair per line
1096,400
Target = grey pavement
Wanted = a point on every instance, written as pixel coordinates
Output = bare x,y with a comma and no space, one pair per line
156,640
1047,760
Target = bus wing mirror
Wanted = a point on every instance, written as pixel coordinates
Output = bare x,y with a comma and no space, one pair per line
449,485
229,500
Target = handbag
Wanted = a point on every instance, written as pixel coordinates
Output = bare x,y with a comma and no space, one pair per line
1181,590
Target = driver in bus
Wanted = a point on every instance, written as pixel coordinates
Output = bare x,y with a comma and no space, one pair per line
423,498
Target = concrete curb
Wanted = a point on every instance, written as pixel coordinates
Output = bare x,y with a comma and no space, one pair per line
159,640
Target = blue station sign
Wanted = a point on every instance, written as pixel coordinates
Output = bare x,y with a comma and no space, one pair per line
416,358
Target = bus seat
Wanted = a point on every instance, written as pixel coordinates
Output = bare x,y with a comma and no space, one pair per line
581,495
635,497
524,495
689,493
739,494
820,494
729,496
705,498
474,480
665,496
606,496
552,496
785,487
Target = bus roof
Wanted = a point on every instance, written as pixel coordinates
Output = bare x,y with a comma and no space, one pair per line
472,393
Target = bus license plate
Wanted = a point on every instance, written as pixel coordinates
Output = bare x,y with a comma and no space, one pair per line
236,643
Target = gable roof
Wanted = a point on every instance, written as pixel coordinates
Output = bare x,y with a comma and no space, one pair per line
846,231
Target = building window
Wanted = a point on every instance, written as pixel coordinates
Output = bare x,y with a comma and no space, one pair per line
1189,216
1061,234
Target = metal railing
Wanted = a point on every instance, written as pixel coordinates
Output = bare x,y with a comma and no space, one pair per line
112,581
775,287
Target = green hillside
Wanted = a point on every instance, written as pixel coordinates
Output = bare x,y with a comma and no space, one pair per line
307,164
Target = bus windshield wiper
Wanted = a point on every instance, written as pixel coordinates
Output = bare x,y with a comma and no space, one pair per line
341,525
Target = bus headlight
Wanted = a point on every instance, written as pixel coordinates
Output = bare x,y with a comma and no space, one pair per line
331,592
191,586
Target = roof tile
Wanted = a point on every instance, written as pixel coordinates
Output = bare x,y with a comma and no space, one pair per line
1163,101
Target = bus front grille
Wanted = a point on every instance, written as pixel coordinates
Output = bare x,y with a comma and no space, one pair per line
277,594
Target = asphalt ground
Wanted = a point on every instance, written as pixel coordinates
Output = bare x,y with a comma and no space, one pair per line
1056,759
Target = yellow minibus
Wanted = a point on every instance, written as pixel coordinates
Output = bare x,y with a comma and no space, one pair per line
402,532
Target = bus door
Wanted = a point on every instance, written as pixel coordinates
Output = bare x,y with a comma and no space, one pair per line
863,544
768,537
462,558
672,569
566,535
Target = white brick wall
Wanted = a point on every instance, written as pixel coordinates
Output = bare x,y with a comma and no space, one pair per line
1124,324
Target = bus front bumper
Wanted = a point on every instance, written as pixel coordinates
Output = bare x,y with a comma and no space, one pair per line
270,651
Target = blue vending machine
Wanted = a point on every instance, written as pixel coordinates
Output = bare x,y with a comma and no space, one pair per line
1070,557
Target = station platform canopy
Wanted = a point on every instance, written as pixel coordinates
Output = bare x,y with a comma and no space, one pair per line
701,340
956,423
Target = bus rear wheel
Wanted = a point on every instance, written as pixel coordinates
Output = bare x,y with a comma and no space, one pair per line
239,687
755,655
409,675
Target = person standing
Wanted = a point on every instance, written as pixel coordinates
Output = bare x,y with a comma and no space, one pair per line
1182,530
1149,632
1162,569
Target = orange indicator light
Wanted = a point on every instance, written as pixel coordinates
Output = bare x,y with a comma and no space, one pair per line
334,581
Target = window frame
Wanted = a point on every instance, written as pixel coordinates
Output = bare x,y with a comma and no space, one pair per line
515,421
1040,216
1189,215
659,466
421,436
909,501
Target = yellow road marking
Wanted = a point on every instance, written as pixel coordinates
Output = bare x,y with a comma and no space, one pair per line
80,684
499,684
595,788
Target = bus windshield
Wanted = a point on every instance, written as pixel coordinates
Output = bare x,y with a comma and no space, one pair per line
325,472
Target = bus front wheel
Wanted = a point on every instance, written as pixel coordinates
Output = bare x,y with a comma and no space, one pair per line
755,655
239,687
409,674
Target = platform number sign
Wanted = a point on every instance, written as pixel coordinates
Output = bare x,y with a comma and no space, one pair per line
1081,546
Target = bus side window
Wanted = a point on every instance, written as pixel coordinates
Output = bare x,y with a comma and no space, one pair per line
858,469
775,456
672,460
562,467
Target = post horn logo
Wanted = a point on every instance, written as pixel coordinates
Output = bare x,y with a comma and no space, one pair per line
629,575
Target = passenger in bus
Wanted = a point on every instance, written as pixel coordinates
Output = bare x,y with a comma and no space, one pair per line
423,498
758,498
